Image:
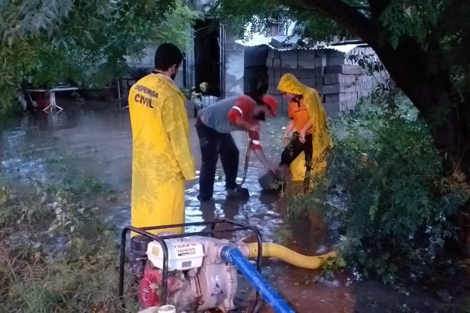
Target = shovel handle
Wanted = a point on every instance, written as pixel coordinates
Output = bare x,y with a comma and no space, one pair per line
247,161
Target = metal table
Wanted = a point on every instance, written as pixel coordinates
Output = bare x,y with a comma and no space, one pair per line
52,103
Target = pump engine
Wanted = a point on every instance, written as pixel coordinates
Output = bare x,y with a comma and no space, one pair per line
197,280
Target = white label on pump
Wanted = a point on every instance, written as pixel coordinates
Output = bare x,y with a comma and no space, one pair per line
182,255
184,249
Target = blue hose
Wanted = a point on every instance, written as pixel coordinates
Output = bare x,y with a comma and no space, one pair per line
233,255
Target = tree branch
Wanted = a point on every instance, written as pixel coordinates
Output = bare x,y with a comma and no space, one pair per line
361,7
348,16
377,7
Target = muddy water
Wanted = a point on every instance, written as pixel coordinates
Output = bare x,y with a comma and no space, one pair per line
98,136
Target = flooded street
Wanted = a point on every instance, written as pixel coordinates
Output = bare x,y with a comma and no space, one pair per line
98,139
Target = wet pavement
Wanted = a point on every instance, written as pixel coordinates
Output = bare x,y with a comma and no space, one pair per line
98,137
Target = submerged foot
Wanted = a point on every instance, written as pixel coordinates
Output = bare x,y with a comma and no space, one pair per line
203,198
238,191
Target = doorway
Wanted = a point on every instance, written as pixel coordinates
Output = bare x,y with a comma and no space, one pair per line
208,67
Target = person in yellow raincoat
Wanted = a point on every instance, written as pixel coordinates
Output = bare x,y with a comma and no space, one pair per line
162,159
305,153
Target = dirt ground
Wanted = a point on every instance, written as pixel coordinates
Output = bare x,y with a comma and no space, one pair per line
305,296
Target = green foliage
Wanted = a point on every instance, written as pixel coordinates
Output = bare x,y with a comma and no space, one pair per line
411,19
441,27
396,199
261,15
420,20
56,253
84,42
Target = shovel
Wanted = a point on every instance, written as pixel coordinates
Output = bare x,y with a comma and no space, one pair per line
240,189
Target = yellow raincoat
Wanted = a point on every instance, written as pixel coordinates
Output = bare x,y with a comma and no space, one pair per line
321,135
161,160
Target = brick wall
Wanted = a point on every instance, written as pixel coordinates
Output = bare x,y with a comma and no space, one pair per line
341,82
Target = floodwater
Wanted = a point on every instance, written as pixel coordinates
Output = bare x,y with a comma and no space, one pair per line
98,136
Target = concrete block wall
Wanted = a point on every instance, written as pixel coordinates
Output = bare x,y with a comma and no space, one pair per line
341,82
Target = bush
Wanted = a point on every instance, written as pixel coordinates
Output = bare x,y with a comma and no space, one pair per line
56,254
395,198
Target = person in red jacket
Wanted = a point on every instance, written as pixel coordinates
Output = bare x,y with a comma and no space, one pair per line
214,125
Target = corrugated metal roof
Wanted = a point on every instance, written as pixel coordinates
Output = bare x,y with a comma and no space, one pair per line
260,40
291,42
286,43
345,48
255,41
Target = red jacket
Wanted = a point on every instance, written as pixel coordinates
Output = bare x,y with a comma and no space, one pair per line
244,108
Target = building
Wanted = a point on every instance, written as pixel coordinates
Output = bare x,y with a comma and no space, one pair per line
336,71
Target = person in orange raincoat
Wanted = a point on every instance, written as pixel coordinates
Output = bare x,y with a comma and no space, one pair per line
305,153
162,159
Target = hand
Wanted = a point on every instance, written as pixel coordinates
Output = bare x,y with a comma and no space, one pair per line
254,128
269,167
284,172
285,139
302,137
273,169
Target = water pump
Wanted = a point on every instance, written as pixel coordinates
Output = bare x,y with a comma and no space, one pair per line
185,270
198,278
195,272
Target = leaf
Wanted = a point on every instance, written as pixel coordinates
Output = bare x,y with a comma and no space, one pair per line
53,228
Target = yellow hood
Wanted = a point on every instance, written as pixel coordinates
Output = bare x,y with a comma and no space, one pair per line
290,84
321,134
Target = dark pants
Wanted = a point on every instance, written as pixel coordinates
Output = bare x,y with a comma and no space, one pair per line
212,145
292,151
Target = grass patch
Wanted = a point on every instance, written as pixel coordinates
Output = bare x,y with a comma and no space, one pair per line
34,283
56,254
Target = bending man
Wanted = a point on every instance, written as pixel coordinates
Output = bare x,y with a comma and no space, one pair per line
161,160
214,126
311,139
